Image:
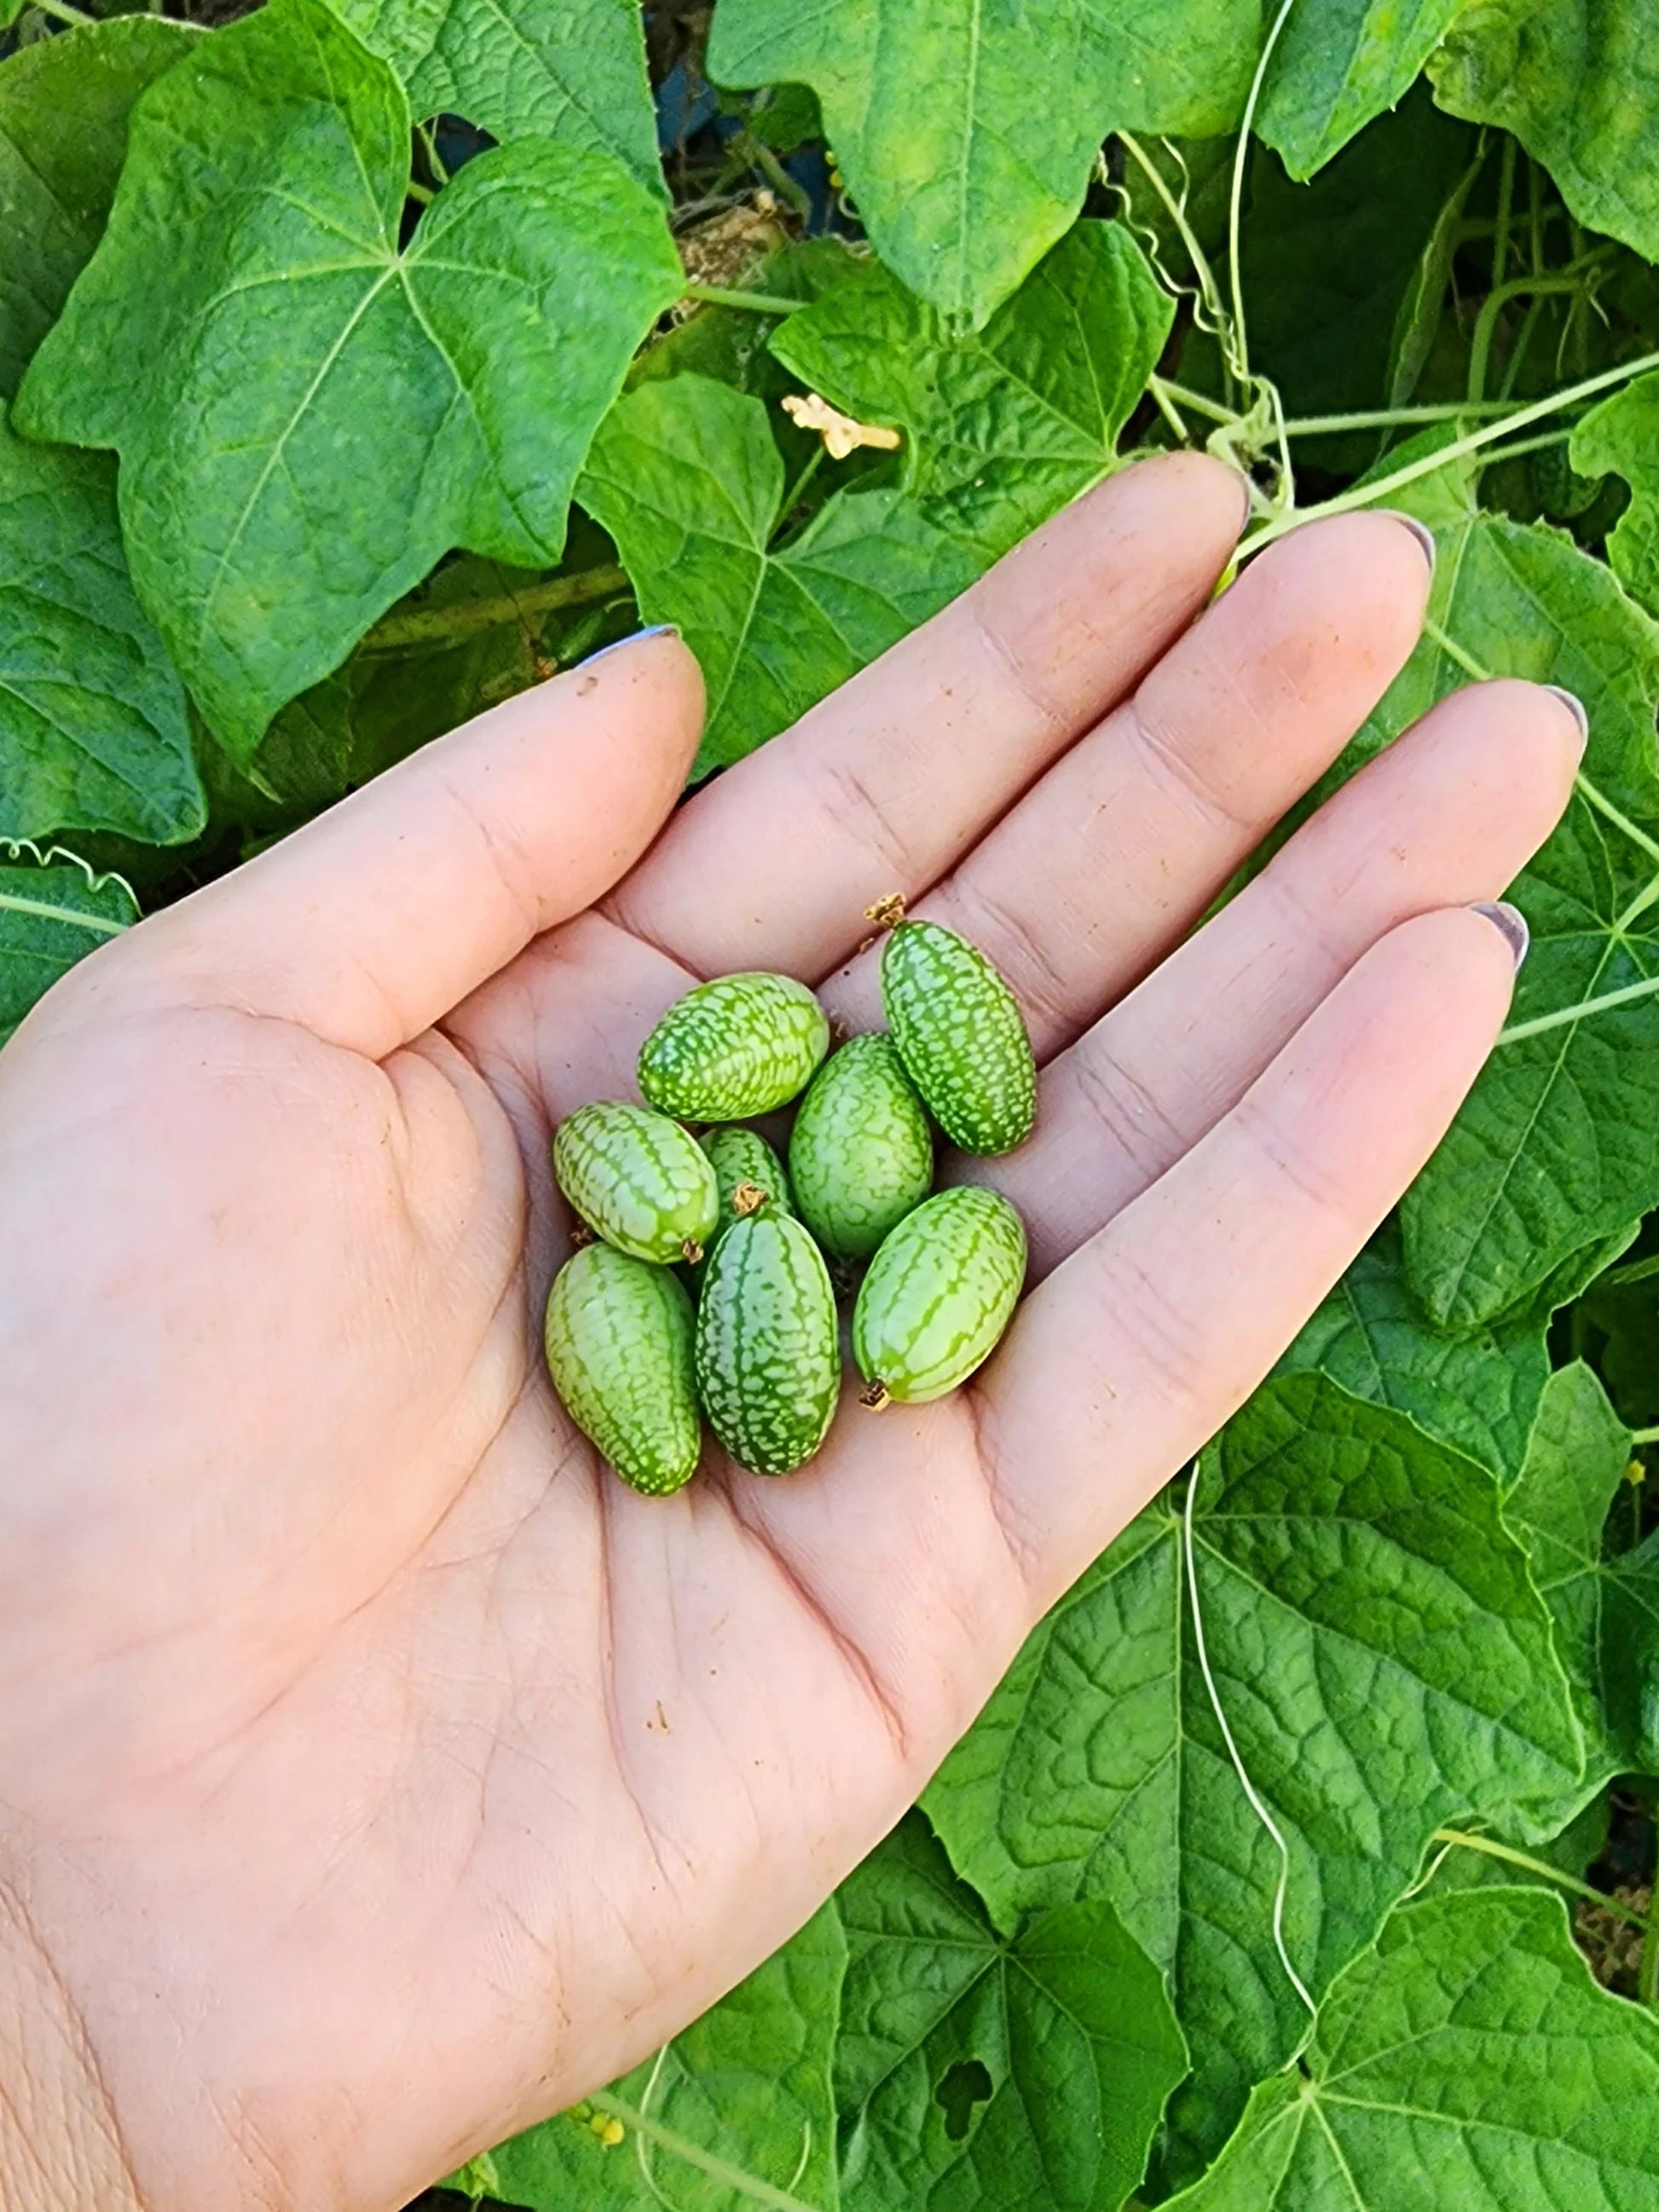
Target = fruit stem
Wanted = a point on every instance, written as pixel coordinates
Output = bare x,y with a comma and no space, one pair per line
748,1198
691,1251
875,1397
887,913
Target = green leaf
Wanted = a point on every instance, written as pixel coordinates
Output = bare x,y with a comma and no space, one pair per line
356,409
63,108
1559,1508
1384,1662
739,2105
1479,1393
93,729
1622,434
1578,83
980,2075
1556,1147
967,133
1338,64
53,911
1469,2061
1003,428
570,69
685,477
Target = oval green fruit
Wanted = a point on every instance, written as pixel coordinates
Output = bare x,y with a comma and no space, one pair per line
618,1338
860,1153
961,1036
938,1296
748,1176
638,1180
737,1047
768,1353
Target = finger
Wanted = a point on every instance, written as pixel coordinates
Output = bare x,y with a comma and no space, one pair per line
883,785
1447,815
1142,1344
369,924
1128,838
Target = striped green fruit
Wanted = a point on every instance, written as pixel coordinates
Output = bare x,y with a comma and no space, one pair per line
768,1353
734,1047
860,1153
748,1176
961,1036
638,1180
619,1340
938,1296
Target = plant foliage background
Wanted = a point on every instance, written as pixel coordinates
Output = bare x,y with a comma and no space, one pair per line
362,360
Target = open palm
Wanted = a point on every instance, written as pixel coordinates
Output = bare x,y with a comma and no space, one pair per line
377,1773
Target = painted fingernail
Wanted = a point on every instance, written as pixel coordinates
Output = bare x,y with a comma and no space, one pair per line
1576,706
1510,924
1420,531
657,629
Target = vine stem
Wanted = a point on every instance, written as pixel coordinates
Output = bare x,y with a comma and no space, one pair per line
1485,323
1493,1850
1214,410
61,12
1282,1886
1235,199
1645,1436
731,2177
1387,418
1359,495
757,303
442,625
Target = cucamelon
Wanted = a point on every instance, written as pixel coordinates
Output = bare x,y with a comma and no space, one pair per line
938,1294
618,1339
961,1036
767,1350
734,1047
860,1153
639,1180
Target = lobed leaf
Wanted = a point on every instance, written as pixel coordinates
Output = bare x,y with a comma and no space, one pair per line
1478,1392
1384,1662
1622,434
1578,83
1004,426
1605,1599
568,69
1468,2059
311,414
980,2075
747,2089
53,911
685,477
1556,1147
966,160
1339,63
94,732
63,108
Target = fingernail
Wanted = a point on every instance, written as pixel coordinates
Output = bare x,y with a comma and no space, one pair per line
1510,924
657,629
1576,706
1420,531
1246,493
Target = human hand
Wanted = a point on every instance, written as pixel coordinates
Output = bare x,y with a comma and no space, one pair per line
378,1772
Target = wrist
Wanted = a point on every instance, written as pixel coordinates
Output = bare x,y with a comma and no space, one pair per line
60,2148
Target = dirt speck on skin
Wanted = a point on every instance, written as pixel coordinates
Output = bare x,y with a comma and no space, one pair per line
586,686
